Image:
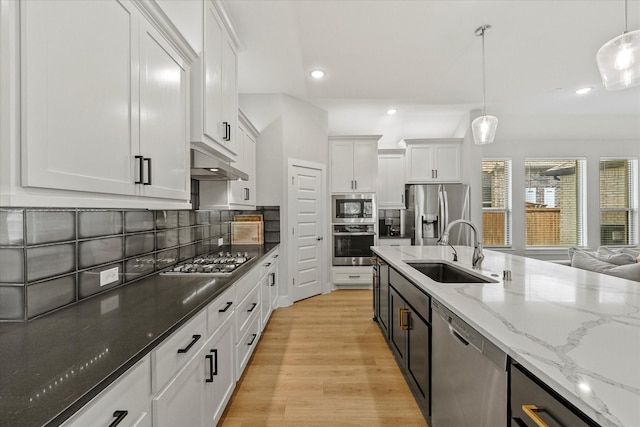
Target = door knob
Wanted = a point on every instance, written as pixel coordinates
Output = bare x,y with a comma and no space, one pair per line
319,238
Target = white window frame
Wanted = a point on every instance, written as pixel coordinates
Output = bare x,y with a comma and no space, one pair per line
508,196
581,203
633,237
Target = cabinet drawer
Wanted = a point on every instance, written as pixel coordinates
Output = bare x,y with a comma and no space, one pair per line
351,275
529,392
130,393
221,309
246,344
246,310
248,281
414,296
176,350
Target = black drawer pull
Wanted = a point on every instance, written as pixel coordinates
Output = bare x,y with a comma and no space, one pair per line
253,305
222,310
188,347
119,416
267,264
272,279
212,371
253,338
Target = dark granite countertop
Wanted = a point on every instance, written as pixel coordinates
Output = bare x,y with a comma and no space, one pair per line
52,366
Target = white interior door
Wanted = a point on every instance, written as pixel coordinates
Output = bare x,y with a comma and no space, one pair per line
306,201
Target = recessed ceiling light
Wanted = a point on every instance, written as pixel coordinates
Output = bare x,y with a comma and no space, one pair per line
391,111
317,74
583,90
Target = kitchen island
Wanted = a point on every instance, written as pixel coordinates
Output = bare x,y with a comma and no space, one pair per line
575,330
52,366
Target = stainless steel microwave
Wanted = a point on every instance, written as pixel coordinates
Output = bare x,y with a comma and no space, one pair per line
350,208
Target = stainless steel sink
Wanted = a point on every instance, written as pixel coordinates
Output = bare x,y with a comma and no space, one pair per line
446,273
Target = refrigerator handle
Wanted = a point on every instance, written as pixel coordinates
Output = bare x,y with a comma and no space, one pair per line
441,218
420,226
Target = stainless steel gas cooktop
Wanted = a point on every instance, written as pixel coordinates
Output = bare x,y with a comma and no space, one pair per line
221,264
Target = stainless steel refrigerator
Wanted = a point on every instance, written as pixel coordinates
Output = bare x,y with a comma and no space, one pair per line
430,207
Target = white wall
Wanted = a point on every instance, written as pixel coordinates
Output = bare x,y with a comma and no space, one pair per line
289,129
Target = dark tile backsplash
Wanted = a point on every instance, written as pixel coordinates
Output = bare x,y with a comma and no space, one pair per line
50,258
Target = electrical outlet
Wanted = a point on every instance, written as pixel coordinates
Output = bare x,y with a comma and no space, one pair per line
220,241
109,276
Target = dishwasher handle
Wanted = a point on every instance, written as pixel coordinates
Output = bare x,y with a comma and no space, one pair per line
458,336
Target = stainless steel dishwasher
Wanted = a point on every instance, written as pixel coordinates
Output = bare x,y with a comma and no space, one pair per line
469,375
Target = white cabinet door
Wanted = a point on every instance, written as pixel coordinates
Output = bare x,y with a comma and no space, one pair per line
354,165
365,166
230,95
164,143
265,299
342,167
127,400
214,94
220,384
420,164
447,163
433,162
250,162
211,78
78,85
182,401
391,181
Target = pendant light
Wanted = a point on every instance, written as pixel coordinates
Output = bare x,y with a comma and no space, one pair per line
484,127
619,59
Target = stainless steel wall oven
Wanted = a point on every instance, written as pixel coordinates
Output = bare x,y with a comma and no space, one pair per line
351,244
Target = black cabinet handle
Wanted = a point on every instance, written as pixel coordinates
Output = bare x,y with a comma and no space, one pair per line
273,279
253,305
140,168
253,338
222,310
119,416
212,371
188,347
148,181
267,264
275,256
227,131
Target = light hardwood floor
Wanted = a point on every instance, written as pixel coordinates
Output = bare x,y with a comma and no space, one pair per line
323,362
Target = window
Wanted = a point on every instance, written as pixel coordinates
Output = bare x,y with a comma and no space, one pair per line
554,202
618,202
496,202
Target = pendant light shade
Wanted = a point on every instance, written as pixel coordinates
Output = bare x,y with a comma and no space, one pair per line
484,127
619,59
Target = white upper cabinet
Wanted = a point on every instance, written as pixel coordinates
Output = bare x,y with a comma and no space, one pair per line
104,104
214,92
163,117
235,194
354,164
433,161
391,179
79,95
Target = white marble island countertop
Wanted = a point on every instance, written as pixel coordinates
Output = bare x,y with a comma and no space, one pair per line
577,331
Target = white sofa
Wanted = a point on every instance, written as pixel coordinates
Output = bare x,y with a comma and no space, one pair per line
620,262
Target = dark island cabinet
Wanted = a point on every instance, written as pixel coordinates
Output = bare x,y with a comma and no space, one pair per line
534,404
381,294
409,336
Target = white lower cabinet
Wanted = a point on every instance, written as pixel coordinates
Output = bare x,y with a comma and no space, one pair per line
197,395
189,378
246,344
126,400
220,385
351,275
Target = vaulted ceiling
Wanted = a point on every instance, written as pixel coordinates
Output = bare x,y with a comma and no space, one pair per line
423,58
